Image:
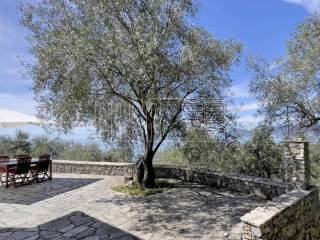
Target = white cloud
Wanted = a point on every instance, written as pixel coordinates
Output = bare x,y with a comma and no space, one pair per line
239,91
311,5
250,121
20,103
249,106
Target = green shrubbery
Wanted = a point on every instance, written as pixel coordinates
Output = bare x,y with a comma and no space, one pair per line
260,156
22,143
315,163
19,144
200,150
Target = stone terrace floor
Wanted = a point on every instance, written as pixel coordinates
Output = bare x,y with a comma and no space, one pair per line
85,207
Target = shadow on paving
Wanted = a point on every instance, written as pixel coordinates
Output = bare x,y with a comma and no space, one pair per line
74,226
189,211
30,194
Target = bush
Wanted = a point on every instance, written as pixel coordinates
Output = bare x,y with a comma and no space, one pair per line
315,163
6,146
201,150
261,156
17,145
21,143
44,145
81,152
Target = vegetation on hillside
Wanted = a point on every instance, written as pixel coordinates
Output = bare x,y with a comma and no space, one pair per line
21,143
260,156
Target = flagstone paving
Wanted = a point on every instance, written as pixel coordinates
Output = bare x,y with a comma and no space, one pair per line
85,207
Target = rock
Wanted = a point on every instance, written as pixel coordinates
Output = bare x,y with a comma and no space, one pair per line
127,178
130,183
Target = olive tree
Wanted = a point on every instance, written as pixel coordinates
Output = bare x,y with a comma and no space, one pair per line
289,90
144,59
261,156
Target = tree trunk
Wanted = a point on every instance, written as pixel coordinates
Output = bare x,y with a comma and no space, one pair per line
145,171
145,168
140,171
149,177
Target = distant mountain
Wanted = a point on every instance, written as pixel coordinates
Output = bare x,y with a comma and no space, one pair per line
243,134
279,133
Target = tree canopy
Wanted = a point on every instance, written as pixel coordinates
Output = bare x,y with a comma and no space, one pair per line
135,69
261,155
289,89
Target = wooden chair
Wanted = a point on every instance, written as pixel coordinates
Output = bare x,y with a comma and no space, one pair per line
4,158
41,169
3,169
19,175
20,156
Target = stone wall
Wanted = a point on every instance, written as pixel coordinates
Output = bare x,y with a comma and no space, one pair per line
292,216
296,164
99,168
235,182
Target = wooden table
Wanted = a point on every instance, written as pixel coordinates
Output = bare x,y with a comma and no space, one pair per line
13,162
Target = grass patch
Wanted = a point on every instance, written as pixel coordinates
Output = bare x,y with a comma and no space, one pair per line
136,190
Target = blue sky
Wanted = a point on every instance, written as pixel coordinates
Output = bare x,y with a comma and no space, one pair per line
263,26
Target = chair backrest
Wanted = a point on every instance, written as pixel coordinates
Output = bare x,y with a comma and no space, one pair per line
21,156
23,165
4,158
44,163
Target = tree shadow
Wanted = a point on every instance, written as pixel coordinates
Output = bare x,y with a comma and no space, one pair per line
190,211
76,225
30,194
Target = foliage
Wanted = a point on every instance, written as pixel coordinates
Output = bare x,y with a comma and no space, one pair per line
122,151
21,143
44,145
136,190
261,156
315,162
17,145
133,69
202,150
289,90
77,151
171,155
6,147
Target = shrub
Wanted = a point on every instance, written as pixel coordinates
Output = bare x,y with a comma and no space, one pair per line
261,156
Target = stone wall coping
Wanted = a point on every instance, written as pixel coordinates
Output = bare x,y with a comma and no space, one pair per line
232,175
261,215
73,162
296,141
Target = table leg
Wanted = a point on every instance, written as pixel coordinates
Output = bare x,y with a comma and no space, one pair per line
7,177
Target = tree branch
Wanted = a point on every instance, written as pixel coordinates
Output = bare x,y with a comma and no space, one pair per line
173,120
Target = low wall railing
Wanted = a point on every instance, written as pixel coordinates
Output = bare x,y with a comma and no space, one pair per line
231,181
294,215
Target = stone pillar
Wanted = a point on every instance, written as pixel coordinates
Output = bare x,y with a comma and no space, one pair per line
297,164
